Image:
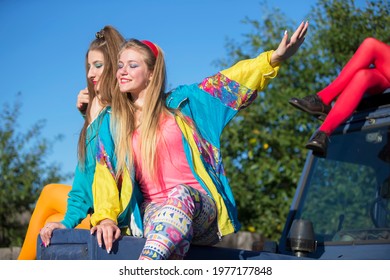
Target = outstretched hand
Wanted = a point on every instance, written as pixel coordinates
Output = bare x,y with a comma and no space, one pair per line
288,47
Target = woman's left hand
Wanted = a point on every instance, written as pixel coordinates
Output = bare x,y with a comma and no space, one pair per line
106,231
288,47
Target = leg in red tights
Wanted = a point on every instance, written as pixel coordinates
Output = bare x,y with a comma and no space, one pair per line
50,207
367,71
371,53
370,81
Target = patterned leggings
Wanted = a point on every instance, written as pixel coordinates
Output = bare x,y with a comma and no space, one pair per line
187,216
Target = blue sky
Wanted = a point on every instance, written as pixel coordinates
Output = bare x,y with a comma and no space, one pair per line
43,45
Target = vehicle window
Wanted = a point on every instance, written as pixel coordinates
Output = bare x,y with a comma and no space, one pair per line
347,198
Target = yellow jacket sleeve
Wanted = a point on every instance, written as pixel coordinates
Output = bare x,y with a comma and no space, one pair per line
253,73
105,195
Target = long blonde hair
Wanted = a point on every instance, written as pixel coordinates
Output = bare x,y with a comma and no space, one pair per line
108,41
154,107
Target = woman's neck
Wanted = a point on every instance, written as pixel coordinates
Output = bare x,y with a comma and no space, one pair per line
96,107
138,99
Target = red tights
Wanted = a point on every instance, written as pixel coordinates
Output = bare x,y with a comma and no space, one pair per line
357,78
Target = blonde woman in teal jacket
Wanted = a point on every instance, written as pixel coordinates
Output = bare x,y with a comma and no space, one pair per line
170,145
160,175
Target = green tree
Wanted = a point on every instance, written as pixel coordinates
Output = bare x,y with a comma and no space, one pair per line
24,171
263,147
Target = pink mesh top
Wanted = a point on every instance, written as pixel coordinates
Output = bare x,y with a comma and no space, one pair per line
173,168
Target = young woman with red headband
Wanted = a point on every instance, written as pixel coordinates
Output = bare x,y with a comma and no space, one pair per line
173,184
101,60
367,71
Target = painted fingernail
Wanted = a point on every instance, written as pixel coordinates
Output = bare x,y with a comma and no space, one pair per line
108,250
100,245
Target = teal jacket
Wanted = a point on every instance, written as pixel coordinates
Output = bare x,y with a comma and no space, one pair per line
207,108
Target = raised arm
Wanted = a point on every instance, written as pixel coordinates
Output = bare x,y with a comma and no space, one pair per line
289,46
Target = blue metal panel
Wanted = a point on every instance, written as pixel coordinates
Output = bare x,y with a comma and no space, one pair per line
78,244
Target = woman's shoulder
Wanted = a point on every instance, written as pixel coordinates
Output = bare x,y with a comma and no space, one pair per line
104,114
181,93
104,111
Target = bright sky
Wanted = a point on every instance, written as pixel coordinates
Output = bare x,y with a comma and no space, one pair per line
43,45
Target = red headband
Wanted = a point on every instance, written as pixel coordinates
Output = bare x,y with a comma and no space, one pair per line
151,46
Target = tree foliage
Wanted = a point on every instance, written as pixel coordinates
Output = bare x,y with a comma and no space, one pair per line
23,170
263,147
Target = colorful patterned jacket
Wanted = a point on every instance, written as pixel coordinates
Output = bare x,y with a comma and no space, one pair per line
208,107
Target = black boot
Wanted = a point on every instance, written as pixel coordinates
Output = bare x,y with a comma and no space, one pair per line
311,104
318,143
